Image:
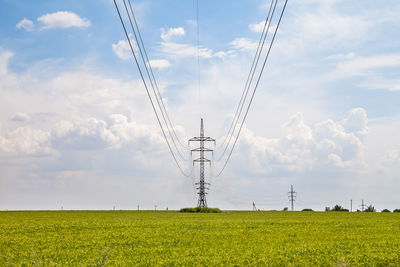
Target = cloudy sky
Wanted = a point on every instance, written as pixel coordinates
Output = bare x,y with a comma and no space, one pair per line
77,129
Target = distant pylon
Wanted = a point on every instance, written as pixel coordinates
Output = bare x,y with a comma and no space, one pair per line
202,202
254,207
292,197
362,205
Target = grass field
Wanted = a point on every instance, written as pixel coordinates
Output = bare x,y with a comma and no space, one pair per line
172,238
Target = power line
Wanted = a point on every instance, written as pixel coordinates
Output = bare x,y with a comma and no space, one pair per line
245,89
198,54
152,74
254,91
154,89
148,93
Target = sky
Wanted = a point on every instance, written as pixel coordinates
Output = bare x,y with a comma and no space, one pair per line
77,130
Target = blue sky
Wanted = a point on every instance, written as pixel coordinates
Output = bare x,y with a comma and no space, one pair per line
77,129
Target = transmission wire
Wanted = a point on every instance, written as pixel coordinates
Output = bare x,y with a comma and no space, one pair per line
249,80
151,83
148,93
152,74
254,91
198,55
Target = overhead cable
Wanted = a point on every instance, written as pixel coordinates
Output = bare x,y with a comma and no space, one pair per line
249,80
152,74
154,88
254,91
148,93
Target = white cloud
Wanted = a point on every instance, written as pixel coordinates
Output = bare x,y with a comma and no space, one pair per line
26,24
302,148
365,65
257,27
356,122
244,44
123,50
168,34
176,50
159,63
63,19
25,141
96,134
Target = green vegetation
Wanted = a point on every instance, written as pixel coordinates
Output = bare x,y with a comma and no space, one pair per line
144,238
385,210
306,210
336,208
201,210
370,208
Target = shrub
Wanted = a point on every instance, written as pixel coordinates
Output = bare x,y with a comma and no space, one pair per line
285,209
201,210
385,210
327,209
370,208
307,210
396,210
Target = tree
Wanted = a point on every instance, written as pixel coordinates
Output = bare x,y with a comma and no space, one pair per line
327,209
385,210
370,208
396,210
338,208
285,209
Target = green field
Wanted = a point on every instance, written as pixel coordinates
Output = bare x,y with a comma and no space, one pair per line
172,238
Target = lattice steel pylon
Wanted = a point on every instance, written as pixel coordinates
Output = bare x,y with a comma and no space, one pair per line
202,203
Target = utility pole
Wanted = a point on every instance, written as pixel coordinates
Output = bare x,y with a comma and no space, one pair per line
351,205
137,207
362,205
292,196
202,202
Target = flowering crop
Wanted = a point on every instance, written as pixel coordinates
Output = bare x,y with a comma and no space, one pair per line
172,238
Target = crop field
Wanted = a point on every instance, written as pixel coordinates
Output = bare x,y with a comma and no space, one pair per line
171,238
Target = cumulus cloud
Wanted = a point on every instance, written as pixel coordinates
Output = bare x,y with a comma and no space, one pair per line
169,33
26,24
95,133
63,19
25,141
123,50
302,148
257,27
159,63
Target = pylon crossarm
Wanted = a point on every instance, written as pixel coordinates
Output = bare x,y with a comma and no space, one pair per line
202,150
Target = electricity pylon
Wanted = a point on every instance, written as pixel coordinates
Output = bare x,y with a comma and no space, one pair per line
202,203
292,196
362,205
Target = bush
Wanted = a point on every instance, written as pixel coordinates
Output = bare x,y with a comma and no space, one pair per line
385,210
396,210
201,210
285,209
327,209
370,208
307,210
